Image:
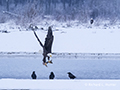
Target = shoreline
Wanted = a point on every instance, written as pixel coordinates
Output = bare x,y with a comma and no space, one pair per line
63,55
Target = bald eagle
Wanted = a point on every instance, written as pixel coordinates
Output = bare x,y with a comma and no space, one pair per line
91,21
47,45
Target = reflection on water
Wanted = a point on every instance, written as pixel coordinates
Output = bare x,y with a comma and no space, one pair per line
22,68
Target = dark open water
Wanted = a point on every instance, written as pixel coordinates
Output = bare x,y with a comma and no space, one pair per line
21,68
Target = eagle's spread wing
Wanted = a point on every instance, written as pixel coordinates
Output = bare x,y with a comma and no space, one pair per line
48,40
38,38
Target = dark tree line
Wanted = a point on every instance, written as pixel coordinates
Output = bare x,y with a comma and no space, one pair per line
62,10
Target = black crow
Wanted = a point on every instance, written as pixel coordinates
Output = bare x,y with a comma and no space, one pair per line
70,75
34,76
51,76
47,45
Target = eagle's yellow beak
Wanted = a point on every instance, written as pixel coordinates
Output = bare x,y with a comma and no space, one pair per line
50,55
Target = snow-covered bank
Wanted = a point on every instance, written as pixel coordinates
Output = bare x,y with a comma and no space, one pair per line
68,40
60,84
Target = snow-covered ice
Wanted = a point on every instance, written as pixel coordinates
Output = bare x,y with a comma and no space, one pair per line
72,40
60,84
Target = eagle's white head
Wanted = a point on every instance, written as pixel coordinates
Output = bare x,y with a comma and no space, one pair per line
49,54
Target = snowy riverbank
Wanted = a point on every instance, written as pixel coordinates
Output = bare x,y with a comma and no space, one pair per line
69,40
60,84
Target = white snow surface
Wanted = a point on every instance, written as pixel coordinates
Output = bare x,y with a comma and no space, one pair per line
67,40
60,84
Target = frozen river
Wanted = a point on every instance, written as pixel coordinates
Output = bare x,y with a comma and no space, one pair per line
21,68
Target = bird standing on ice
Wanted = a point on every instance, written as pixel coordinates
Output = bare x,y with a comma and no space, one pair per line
70,75
34,76
51,76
